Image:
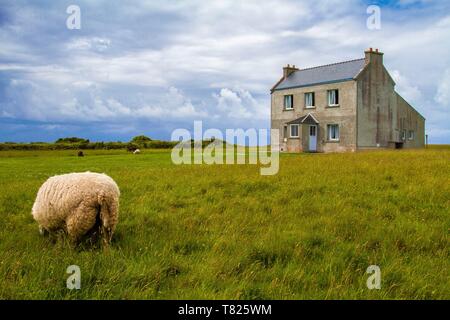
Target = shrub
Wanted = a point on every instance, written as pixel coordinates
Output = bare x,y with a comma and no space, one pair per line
140,140
72,140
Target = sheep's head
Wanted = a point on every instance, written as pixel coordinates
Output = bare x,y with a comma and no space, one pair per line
107,233
42,231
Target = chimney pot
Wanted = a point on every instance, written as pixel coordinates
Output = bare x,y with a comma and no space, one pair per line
373,55
288,70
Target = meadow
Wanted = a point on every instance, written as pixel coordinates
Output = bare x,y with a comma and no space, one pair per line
226,232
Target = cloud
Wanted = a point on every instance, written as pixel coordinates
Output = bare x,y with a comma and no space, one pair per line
443,90
159,64
230,103
411,2
405,88
94,43
91,103
239,104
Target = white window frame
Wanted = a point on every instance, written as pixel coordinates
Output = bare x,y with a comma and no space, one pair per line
329,95
290,130
411,135
313,102
292,102
329,126
404,134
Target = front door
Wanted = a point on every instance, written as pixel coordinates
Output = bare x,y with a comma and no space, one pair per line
313,138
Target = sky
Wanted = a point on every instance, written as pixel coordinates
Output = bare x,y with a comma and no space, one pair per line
149,67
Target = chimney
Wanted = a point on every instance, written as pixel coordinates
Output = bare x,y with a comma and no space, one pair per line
374,56
288,70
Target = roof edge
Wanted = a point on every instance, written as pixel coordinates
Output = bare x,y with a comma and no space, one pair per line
366,66
398,95
310,115
315,84
276,84
331,64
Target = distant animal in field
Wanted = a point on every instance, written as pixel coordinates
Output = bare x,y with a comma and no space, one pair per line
84,205
80,154
137,151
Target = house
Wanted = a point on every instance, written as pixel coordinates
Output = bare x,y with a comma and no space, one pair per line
345,106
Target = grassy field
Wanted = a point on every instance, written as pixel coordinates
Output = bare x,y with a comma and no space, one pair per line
225,231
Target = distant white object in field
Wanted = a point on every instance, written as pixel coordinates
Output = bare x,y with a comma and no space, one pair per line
80,203
137,151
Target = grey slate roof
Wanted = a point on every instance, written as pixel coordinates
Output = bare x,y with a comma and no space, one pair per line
330,73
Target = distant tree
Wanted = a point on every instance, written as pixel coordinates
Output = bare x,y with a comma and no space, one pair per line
140,140
72,140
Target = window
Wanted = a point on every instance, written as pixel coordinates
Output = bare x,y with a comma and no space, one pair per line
312,131
309,100
289,102
285,132
403,134
333,98
294,130
411,135
333,132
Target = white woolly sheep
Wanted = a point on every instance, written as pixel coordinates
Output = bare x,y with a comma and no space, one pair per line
81,204
137,151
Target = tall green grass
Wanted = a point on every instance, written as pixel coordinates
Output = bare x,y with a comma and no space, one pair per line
225,231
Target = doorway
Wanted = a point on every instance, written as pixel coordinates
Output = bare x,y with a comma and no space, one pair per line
312,138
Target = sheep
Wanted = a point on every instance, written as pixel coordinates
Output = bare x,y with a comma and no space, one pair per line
137,151
80,204
80,154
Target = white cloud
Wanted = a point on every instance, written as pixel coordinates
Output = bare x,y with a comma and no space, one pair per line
207,60
405,88
94,43
410,2
230,104
443,90
239,104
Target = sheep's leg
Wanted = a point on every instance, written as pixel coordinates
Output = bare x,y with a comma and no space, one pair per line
80,222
